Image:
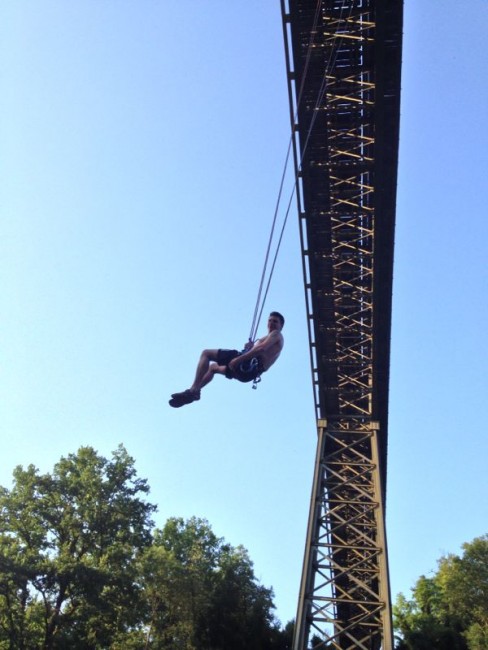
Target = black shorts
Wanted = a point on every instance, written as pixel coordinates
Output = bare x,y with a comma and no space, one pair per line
246,371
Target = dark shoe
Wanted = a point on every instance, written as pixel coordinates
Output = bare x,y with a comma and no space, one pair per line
196,394
180,399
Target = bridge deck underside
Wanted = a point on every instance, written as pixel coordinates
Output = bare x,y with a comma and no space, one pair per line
346,58
343,59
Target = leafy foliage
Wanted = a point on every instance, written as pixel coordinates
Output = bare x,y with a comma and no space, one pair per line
68,545
204,594
81,568
450,610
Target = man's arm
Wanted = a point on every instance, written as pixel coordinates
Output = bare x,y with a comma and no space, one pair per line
271,339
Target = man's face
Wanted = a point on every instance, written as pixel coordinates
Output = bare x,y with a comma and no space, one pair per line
274,323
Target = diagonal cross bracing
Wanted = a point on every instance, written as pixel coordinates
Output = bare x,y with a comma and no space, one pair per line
343,587
343,64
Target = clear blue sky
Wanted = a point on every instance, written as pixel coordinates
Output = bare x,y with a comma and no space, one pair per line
141,148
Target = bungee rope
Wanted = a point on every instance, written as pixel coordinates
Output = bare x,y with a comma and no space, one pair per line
259,307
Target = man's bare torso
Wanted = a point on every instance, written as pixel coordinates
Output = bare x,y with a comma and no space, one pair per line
269,348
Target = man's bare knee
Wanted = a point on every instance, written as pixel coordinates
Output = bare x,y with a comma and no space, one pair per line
209,355
216,369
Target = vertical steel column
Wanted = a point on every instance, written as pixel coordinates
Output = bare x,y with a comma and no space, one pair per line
344,598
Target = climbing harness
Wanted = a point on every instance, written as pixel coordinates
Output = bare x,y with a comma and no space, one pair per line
250,367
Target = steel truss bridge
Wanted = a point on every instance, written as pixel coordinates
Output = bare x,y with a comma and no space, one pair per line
343,62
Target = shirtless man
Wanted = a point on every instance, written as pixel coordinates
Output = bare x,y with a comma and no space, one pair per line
247,365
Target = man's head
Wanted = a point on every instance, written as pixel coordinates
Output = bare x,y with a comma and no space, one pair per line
276,318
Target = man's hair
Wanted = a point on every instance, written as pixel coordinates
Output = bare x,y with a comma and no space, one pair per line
278,315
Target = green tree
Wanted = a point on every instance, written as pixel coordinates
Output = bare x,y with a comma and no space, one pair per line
81,569
450,610
202,593
68,548
464,581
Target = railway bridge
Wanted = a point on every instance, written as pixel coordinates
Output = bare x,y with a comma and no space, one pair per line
343,61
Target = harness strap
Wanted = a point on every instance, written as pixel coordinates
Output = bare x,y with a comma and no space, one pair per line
254,365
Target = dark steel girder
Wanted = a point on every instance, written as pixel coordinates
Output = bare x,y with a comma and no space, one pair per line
343,64
346,57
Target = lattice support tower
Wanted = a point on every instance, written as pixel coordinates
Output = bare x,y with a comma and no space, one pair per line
343,64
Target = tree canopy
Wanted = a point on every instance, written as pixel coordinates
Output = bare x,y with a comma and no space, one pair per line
68,542
82,567
203,592
448,611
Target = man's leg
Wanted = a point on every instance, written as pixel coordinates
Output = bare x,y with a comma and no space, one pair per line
205,372
207,368
213,370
